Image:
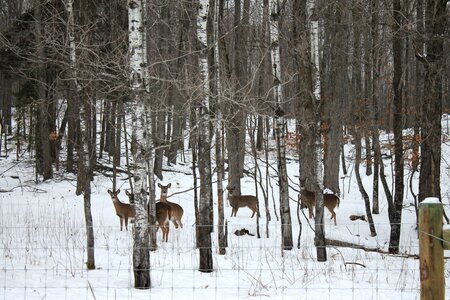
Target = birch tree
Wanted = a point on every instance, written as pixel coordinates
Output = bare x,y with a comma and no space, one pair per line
141,150
215,91
285,212
205,216
84,163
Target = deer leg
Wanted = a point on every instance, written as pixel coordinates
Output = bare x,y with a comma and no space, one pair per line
121,223
175,223
167,233
126,223
253,213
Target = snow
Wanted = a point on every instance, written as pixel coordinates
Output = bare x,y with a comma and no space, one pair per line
431,200
43,245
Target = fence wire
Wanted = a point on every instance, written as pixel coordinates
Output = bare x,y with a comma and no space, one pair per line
48,262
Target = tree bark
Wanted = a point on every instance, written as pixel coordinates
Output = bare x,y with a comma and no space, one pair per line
396,213
285,212
362,190
43,154
205,217
142,151
215,90
333,79
433,61
309,123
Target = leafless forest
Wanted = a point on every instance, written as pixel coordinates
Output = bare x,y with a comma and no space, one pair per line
141,83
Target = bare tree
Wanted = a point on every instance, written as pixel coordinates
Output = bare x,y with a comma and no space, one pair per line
43,155
433,61
215,89
141,141
205,217
285,212
84,163
395,214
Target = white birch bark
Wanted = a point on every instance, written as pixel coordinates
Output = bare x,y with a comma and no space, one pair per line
314,36
205,204
141,149
315,51
219,131
286,225
319,239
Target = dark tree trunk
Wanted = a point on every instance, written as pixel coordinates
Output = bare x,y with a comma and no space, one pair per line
83,176
43,151
375,114
433,61
333,79
308,124
360,184
396,213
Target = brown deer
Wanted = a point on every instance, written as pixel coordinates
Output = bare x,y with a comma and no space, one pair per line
124,211
308,199
239,201
176,209
162,216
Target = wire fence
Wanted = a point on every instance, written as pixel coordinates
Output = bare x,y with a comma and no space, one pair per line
48,262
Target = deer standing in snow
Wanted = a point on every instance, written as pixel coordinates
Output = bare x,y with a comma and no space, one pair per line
239,201
163,213
176,209
308,200
124,211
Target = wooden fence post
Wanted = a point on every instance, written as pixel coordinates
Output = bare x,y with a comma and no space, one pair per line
432,283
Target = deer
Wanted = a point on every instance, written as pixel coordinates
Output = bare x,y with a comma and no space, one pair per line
308,199
124,211
238,201
163,213
176,209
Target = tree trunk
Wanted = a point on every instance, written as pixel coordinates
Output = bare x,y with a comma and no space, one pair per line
396,214
309,123
360,184
215,88
43,154
142,151
333,97
433,61
285,212
205,217
375,114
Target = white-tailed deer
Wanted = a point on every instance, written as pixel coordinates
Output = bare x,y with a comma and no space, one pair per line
308,199
163,212
239,201
124,211
175,209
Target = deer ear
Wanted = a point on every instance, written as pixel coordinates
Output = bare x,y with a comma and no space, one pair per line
159,184
109,192
169,185
118,191
127,193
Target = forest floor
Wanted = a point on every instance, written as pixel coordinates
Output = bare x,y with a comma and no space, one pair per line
43,243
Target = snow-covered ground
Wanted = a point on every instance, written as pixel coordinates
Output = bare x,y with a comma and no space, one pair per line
43,245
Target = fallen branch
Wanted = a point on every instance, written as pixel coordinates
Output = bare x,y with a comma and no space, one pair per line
338,243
